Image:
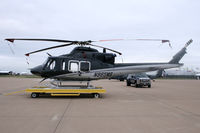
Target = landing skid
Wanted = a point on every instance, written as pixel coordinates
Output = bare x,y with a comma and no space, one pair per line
57,83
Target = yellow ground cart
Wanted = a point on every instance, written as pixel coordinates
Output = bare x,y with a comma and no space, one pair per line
65,91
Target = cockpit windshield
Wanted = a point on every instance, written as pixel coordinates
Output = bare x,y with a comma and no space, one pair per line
49,64
45,62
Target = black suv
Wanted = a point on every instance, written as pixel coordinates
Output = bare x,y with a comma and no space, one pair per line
139,80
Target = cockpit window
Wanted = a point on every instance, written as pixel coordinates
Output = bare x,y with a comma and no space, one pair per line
50,64
45,62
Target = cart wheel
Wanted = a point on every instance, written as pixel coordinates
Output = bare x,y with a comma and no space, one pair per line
34,95
96,95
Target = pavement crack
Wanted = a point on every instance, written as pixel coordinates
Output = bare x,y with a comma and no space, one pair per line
67,107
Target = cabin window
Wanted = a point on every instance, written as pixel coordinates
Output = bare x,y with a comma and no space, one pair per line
84,66
63,65
73,66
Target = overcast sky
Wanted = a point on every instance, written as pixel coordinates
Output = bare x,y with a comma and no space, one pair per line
176,20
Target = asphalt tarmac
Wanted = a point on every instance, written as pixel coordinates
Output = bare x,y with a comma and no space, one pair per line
170,106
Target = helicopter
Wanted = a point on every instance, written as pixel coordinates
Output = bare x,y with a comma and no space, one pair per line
84,63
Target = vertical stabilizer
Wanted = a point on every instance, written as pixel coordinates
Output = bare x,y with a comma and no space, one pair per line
178,56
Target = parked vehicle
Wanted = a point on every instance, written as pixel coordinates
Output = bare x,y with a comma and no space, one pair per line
139,80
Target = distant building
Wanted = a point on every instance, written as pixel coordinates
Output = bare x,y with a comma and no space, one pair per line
25,73
6,72
180,73
183,71
198,76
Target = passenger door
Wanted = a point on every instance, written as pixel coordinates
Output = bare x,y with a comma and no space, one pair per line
79,66
85,66
73,66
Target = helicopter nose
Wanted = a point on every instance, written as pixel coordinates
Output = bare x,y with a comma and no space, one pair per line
36,70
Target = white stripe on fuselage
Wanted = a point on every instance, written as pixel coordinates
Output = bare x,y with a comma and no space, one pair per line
116,71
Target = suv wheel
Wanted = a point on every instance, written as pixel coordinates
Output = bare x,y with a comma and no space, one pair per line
128,83
136,85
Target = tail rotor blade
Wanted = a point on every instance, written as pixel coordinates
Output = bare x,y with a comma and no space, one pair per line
188,43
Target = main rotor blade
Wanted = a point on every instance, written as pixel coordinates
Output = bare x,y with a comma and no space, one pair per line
28,39
58,46
108,40
107,49
161,40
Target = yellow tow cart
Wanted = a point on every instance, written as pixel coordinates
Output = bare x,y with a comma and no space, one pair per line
66,91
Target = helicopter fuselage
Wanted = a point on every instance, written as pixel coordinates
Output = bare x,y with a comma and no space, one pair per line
85,64
81,59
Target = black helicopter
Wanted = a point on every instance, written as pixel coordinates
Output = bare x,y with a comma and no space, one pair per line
85,63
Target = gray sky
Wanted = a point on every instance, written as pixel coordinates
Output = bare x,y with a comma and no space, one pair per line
176,20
